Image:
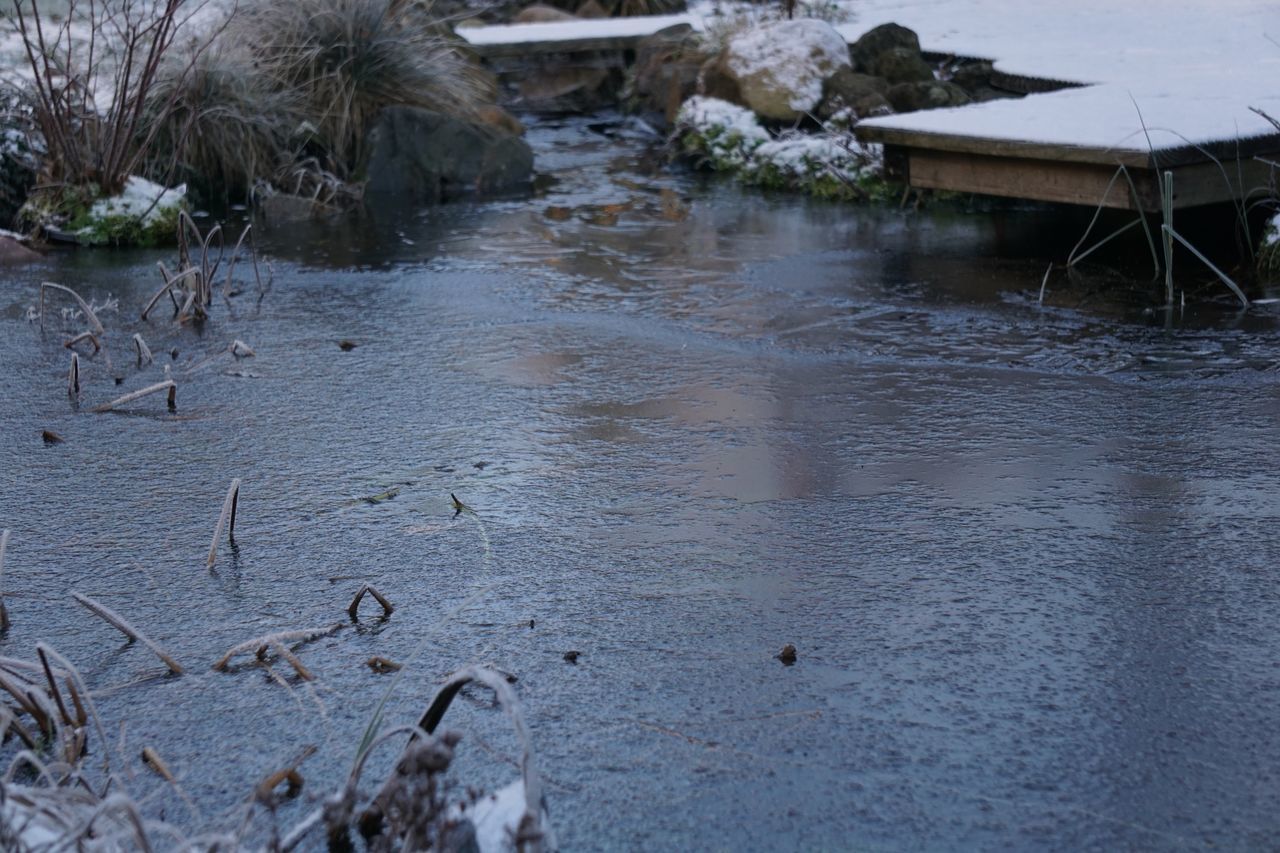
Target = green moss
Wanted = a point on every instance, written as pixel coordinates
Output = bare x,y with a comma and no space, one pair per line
70,209
125,230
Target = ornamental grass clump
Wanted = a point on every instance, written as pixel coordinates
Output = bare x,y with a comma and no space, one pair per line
226,122
346,60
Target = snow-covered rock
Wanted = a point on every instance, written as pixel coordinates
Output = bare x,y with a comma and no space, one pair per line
723,133
780,67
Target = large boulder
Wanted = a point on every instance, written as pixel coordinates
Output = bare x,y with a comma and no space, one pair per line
909,97
539,13
569,88
860,94
422,156
885,37
901,65
665,73
715,81
780,68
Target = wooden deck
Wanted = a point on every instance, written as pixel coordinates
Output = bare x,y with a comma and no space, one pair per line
509,41
1090,145
1225,171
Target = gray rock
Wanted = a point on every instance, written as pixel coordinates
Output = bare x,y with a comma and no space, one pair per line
849,90
932,95
973,75
13,252
665,73
281,208
877,41
715,81
420,156
901,65
542,14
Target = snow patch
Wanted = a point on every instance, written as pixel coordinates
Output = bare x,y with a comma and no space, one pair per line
141,199
728,132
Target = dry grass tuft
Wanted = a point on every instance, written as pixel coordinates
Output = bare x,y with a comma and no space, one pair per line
348,59
226,120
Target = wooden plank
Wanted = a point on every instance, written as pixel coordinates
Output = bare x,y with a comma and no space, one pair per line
1234,149
544,47
1230,180
962,144
1042,180
1080,183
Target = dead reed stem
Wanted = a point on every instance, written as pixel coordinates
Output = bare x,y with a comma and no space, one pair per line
118,622
152,759
4,613
73,377
144,351
85,336
353,610
231,263
84,306
53,686
169,282
266,641
134,395
292,659
228,513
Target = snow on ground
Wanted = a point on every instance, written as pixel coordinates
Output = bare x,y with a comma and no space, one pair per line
1193,67
141,199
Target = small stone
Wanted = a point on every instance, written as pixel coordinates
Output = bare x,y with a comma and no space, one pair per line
787,655
347,346
572,657
51,437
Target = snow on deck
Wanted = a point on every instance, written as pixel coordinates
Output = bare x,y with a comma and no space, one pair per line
1182,72
563,31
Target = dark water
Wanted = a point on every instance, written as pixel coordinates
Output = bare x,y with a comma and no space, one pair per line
1027,554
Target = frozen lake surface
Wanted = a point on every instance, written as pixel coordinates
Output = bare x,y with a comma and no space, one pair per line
1027,554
